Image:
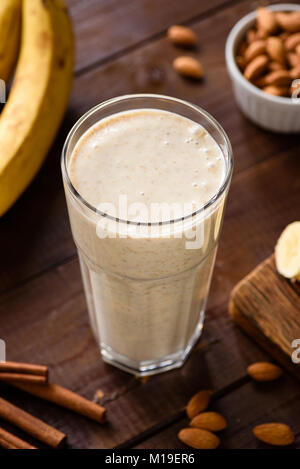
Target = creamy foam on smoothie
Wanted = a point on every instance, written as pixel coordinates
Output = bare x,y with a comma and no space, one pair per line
150,156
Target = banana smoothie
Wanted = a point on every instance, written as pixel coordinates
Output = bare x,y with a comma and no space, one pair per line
141,187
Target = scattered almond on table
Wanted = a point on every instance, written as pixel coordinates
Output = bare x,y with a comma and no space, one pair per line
276,434
269,55
264,371
212,421
185,65
203,424
198,403
200,434
188,67
182,36
198,438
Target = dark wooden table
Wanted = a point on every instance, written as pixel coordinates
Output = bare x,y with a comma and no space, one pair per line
121,48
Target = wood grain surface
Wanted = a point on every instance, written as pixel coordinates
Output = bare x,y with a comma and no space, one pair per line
108,28
267,307
121,48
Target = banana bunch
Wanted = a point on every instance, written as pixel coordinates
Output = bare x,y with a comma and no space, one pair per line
10,27
287,252
38,35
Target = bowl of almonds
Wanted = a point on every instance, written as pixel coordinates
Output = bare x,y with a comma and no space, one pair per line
263,60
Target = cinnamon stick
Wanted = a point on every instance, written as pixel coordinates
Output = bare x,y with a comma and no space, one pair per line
64,398
27,368
31,425
10,441
6,444
23,378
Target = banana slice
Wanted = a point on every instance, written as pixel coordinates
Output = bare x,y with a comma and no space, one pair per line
287,252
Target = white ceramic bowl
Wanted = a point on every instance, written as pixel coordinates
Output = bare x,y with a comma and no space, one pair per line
274,113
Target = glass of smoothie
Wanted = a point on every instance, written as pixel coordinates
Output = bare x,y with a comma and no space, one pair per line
146,179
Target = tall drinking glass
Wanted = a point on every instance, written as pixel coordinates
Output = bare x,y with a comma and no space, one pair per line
146,285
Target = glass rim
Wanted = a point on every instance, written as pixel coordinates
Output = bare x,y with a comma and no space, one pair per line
104,104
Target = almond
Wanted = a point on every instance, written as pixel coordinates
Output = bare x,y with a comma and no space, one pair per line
188,67
254,49
289,21
240,62
276,91
279,77
198,403
293,59
273,66
251,36
277,434
256,67
262,34
209,421
198,438
266,20
275,49
295,72
292,41
264,371
297,50
242,48
182,36
284,35
260,82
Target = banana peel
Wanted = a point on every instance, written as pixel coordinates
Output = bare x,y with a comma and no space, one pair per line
39,95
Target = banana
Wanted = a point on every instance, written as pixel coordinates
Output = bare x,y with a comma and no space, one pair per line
287,252
10,27
39,95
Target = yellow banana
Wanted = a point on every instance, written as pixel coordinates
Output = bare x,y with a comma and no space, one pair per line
39,95
287,252
10,27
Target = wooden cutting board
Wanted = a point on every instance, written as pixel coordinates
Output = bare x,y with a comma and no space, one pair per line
267,307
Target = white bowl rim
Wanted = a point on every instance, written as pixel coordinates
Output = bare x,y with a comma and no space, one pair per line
230,57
